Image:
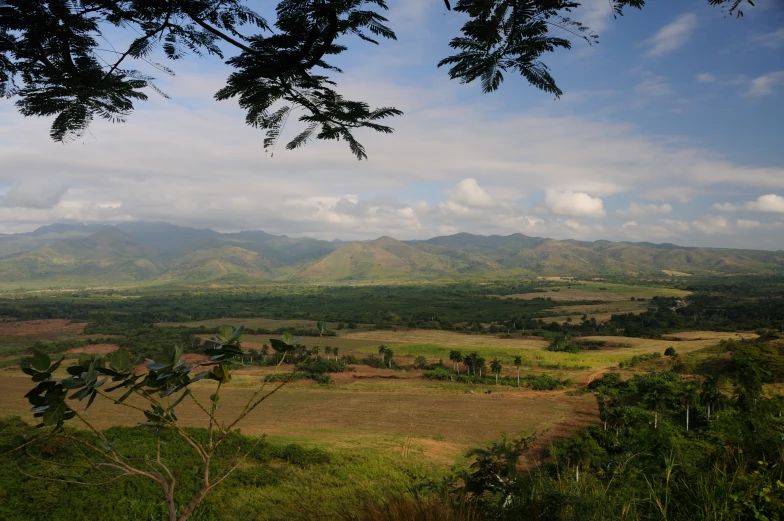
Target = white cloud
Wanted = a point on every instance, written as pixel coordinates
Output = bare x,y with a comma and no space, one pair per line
764,203
672,36
468,192
772,40
712,224
706,77
639,210
657,86
573,203
629,224
746,224
765,85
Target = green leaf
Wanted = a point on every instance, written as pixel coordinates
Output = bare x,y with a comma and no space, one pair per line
225,332
40,361
55,414
120,360
321,325
214,397
287,338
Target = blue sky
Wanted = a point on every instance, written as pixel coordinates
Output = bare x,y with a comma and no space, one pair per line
670,130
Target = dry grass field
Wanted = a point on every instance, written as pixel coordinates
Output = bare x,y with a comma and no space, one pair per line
435,421
391,411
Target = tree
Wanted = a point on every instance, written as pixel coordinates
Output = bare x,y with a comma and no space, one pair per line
265,351
518,361
382,350
670,351
655,399
389,354
456,357
164,386
55,59
495,366
710,395
420,362
335,352
689,398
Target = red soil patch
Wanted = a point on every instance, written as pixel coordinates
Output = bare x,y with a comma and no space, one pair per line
36,327
101,349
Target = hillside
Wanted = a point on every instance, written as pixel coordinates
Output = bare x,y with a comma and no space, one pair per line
163,252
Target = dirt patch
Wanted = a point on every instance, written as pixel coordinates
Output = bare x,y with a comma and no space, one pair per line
100,349
37,327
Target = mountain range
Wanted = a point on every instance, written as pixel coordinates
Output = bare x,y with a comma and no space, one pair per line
144,251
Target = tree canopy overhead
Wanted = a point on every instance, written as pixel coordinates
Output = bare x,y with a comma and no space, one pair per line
57,59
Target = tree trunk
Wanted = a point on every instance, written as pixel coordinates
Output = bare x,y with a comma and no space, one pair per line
655,419
709,411
496,378
518,377
605,425
577,473
687,418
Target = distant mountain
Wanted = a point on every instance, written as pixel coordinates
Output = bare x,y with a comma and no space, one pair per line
143,251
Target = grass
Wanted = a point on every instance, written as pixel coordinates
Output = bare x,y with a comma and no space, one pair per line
279,481
441,419
593,291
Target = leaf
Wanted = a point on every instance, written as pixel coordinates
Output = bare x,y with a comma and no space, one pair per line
120,360
40,361
286,338
322,326
221,373
225,332
55,414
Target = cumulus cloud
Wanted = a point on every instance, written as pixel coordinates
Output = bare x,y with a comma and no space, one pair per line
629,224
468,192
712,224
765,85
640,210
573,203
706,77
764,203
672,36
201,166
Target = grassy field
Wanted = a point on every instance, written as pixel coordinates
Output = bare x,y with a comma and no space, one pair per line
603,291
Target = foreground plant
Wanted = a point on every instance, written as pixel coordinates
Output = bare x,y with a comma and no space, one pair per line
156,393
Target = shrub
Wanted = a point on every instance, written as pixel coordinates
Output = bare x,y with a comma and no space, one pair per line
670,351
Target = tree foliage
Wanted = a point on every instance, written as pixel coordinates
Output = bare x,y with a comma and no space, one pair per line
57,59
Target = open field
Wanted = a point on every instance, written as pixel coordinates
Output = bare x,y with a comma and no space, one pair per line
259,323
600,291
443,420
600,312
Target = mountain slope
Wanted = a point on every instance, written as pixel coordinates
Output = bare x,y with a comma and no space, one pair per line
164,252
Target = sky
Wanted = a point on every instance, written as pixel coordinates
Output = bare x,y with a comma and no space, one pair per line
670,129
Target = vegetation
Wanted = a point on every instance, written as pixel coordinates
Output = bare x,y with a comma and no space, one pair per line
165,385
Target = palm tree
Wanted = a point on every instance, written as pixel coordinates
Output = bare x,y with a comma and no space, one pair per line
389,354
495,366
265,352
518,361
470,362
456,357
710,395
689,398
335,352
382,350
480,364
655,400
328,351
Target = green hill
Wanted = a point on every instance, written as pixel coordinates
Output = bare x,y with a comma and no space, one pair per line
164,252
